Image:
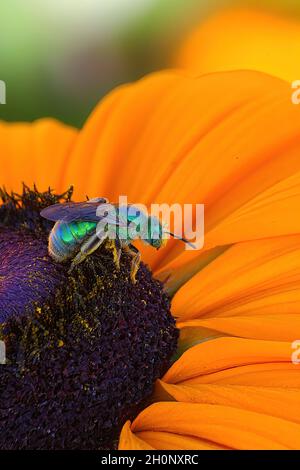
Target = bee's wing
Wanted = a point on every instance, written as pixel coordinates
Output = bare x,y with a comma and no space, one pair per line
70,211
84,211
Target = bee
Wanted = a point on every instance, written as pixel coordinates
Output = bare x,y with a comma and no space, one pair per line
76,235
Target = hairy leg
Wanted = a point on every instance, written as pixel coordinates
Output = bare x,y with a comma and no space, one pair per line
136,260
88,247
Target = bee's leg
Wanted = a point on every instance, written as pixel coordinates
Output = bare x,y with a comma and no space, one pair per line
116,248
117,252
136,260
88,247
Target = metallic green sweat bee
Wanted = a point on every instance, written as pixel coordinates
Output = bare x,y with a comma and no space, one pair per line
77,232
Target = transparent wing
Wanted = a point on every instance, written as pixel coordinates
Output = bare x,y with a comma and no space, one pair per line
82,211
70,211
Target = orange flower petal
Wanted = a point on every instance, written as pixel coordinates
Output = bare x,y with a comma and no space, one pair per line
129,441
224,425
230,141
278,402
181,268
192,333
271,374
169,441
35,153
225,353
239,195
269,327
259,277
244,39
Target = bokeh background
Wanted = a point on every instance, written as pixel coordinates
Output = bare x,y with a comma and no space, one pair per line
59,57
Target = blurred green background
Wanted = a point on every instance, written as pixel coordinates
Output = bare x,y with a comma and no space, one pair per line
59,57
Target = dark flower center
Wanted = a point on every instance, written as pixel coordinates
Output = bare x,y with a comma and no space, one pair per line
83,350
27,274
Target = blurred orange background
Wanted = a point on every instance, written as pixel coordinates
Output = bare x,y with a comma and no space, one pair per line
59,57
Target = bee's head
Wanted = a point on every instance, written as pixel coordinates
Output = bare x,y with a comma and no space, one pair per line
156,236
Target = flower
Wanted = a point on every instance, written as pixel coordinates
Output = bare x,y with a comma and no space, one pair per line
231,141
84,348
243,38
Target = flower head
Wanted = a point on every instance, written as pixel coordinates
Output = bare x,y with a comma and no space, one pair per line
228,140
27,275
83,349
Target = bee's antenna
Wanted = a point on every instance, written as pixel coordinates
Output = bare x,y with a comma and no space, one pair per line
182,239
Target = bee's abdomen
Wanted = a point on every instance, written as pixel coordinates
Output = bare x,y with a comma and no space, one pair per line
65,239
62,243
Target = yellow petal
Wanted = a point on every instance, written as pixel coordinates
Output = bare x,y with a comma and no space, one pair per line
230,141
35,153
169,441
270,327
270,374
181,268
228,426
259,277
244,39
278,402
192,333
129,441
226,353
161,440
